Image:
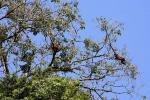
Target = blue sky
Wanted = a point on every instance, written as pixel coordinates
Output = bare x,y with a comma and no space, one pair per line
135,14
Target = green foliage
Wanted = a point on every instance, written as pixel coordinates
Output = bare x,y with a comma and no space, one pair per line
89,44
3,31
45,88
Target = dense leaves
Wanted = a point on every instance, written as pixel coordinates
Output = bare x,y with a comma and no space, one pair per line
45,88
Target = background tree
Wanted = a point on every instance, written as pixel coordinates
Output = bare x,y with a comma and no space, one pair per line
42,54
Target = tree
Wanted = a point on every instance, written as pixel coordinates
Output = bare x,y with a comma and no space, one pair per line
40,44
40,87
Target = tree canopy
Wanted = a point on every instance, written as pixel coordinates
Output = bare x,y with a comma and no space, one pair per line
43,57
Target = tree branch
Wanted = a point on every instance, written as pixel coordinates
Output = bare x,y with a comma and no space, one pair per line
10,11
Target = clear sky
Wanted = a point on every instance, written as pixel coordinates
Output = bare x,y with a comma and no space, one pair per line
135,14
